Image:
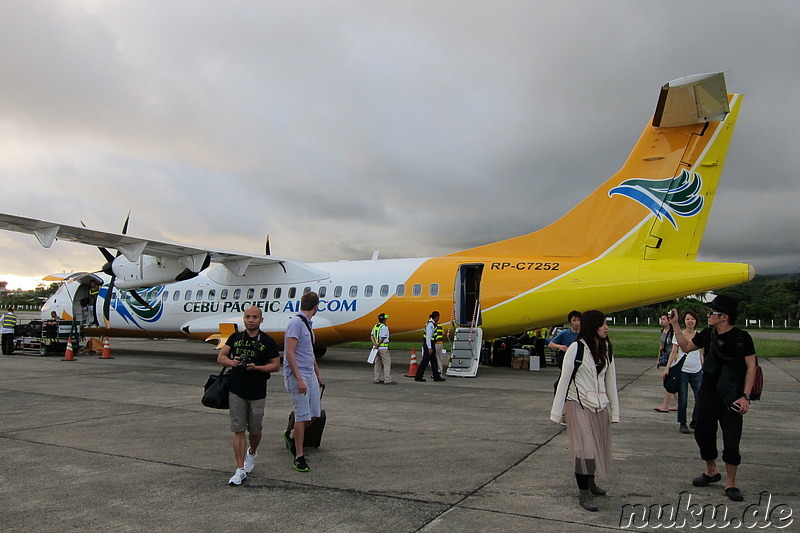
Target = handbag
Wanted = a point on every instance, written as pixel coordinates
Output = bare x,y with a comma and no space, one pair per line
217,389
672,383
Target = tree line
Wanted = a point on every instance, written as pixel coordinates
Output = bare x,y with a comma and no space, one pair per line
764,298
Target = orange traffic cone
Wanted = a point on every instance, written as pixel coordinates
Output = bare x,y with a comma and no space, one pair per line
69,355
106,350
412,367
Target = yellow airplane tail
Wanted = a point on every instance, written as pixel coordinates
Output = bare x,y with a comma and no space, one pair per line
657,205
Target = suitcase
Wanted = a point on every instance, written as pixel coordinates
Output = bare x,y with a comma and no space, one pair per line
313,434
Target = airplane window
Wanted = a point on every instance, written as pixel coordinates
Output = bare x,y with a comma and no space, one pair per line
323,291
114,295
276,293
237,293
368,291
264,293
337,291
401,290
434,289
164,296
212,294
188,295
250,293
416,289
353,291
223,294
176,296
384,290
306,289
199,295
292,292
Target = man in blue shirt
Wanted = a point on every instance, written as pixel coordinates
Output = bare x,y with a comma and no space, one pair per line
565,337
301,376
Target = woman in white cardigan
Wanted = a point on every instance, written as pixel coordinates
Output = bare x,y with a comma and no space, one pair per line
590,404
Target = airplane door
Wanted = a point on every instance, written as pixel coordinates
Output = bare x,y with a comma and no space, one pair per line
468,295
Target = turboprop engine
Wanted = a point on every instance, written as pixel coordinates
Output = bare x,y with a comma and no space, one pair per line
149,271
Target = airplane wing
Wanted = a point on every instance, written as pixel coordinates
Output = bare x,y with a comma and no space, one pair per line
134,247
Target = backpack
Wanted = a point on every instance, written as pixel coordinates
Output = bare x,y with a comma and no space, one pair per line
758,380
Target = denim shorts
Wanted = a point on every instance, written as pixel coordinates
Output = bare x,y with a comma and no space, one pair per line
306,406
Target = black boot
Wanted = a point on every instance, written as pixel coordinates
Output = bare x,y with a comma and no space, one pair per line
597,491
586,500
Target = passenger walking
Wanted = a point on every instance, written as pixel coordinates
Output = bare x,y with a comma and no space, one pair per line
428,350
252,355
587,396
664,350
729,370
383,361
301,377
691,371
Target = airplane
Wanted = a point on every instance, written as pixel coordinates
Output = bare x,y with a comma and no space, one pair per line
631,242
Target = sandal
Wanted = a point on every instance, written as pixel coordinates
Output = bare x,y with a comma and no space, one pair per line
734,494
704,480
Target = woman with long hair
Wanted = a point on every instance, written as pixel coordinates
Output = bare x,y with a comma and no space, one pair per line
587,397
691,371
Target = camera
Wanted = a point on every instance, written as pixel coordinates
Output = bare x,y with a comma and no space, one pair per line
245,360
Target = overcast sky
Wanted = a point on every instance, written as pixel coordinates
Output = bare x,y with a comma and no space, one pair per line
340,127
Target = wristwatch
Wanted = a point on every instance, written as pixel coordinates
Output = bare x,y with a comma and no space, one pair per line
746,396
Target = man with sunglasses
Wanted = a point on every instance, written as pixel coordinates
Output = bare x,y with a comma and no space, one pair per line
729,369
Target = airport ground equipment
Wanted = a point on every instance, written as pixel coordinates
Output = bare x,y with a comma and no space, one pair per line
465,356
47,338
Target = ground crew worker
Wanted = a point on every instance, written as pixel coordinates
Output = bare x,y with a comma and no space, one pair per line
428,351
438,345
9,322
383,361
94,292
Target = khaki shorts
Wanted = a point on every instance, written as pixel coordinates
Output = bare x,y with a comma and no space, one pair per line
246,415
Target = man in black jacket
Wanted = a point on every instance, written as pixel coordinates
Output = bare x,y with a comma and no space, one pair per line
252,355
729,370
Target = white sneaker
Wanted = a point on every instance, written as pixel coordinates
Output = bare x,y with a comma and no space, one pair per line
238,477
250,461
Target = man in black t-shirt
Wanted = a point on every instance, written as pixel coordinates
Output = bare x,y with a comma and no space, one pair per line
729,368
252,355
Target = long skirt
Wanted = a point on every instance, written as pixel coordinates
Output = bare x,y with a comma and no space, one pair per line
589,435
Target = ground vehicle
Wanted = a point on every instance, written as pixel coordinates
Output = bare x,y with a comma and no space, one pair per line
46,338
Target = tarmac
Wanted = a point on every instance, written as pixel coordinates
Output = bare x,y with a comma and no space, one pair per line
124,444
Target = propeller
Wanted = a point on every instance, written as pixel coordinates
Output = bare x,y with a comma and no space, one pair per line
108,268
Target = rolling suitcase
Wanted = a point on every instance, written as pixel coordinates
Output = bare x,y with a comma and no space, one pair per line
313,434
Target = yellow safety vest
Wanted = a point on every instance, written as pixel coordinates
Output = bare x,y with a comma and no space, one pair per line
9,320
438,334
376,331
